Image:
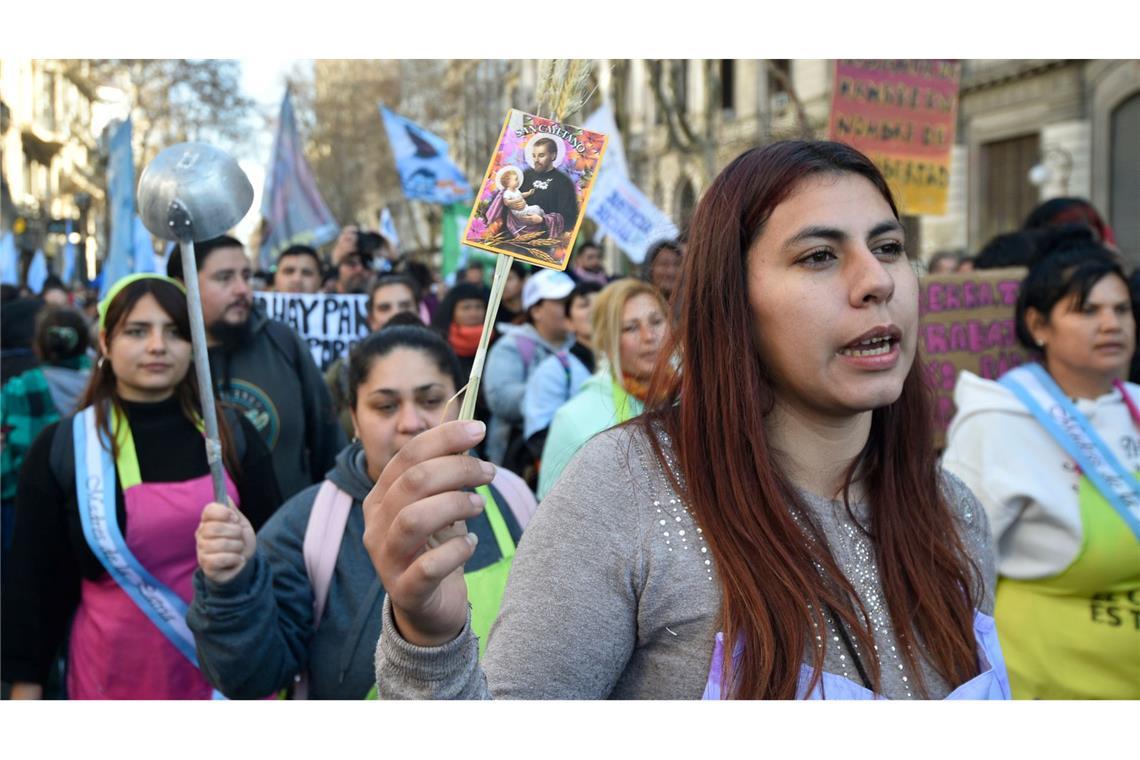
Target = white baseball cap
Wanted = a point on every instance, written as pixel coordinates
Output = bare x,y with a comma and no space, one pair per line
547,284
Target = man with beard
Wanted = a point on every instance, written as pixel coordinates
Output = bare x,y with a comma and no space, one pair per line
553,192
264,368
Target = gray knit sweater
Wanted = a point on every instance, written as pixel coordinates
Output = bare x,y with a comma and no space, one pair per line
614,594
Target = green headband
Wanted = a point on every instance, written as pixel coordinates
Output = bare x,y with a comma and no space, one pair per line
124,282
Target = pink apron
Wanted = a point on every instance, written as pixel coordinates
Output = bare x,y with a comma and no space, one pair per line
115,651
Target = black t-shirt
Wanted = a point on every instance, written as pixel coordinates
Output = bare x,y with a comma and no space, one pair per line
554,192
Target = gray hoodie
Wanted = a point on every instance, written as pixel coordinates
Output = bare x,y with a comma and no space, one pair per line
255,633
66,386
505,378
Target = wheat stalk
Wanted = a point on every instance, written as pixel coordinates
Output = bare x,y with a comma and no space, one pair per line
563,86
562,90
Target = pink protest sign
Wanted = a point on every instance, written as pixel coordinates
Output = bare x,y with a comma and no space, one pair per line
901,113
966,322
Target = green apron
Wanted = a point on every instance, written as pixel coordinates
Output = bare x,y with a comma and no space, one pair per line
1076,635
486,585
626,407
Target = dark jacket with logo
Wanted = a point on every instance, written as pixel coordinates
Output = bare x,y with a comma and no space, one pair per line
273,380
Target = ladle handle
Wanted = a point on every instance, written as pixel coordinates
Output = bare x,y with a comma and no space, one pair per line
202,369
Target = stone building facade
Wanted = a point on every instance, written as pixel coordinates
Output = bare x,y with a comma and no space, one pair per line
50,164
1078,119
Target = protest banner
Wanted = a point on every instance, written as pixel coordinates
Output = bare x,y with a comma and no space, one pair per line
625,214
329,323
533,197
966,323
902,114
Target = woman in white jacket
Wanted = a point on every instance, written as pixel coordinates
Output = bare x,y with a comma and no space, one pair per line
1051,450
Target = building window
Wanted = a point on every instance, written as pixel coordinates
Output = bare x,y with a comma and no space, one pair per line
727,84
45,108
686,202
780,71
1007,195
1124,178
681,85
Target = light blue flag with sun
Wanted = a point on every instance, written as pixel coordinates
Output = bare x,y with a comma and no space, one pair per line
9,260
37,272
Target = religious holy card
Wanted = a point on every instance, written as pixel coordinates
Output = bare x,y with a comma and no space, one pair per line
533,197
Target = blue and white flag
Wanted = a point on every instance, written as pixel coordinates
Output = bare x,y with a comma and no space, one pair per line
292,209
68,273
143,248
9,260
624,213
422,161
121,202
388,229
37,272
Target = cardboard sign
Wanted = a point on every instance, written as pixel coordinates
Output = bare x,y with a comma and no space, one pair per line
330,323
534,194
966,322
902,114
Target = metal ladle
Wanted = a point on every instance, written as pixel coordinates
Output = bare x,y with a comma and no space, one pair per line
194,192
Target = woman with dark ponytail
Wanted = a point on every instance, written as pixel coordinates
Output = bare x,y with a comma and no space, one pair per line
775,526
108,502
35,399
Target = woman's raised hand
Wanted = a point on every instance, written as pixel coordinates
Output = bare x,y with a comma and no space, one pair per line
225,542
415,534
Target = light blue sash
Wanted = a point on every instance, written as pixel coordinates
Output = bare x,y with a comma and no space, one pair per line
95,489
1047,402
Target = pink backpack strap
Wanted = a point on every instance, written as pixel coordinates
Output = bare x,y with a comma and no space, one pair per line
520,499
323,535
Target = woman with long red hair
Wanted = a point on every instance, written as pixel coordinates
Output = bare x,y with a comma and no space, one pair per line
774,526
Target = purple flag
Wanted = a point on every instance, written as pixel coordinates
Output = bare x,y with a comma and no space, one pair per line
291,206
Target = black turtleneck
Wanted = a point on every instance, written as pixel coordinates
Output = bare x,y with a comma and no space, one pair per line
49,556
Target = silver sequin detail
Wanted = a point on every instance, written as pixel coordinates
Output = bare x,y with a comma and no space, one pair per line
684,531
864,578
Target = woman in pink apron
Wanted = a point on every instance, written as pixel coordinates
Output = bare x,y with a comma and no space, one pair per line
107,505
780,495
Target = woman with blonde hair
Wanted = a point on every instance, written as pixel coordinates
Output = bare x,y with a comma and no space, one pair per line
630,325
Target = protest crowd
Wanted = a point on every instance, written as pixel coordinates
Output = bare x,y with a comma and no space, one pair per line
718,475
